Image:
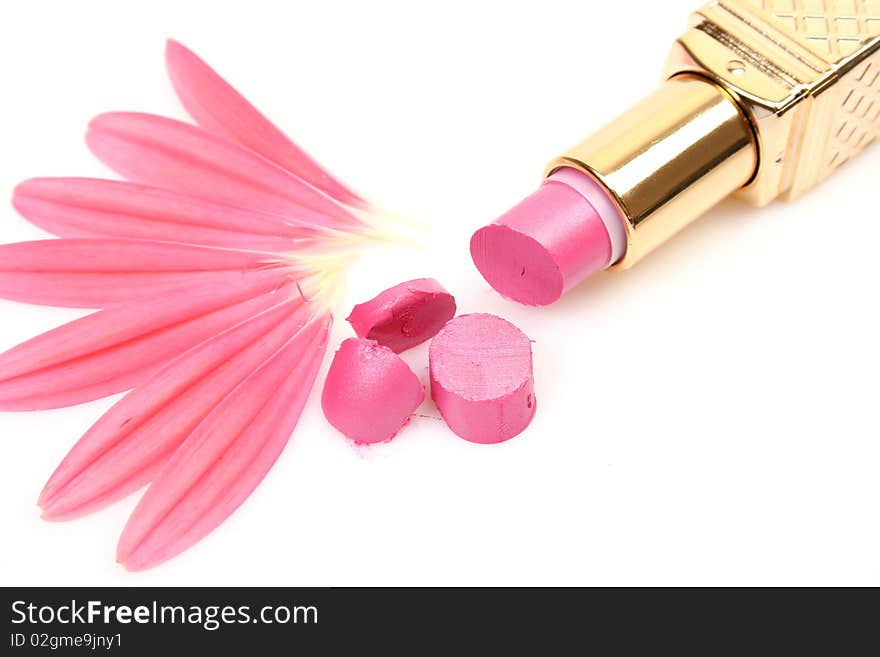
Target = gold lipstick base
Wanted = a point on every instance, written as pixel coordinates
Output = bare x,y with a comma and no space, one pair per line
669,159
763,98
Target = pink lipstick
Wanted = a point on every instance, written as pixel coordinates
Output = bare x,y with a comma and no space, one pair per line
533,260
754,103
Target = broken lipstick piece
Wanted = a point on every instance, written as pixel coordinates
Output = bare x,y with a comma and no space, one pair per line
481,378
405,315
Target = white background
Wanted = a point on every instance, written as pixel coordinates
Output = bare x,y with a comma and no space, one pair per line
709,417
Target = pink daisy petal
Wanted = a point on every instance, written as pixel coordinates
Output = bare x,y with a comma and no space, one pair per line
226,456
116,348
159,151
126,447
94,273
217,106
91,207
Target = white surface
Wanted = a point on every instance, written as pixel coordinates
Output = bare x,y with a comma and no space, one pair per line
729,437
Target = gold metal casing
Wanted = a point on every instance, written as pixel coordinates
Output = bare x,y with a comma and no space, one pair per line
669,159
765,98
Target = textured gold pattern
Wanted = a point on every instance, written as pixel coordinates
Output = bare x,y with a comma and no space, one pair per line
830,28
804,70
858,123
834,30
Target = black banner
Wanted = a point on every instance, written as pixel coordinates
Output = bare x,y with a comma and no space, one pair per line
421,621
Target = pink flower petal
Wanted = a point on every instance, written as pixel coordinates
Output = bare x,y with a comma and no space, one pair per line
226,456
91,207
114,349
217,106
125,448
94,273
168,153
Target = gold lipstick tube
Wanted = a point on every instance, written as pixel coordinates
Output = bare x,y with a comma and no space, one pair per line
762,98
